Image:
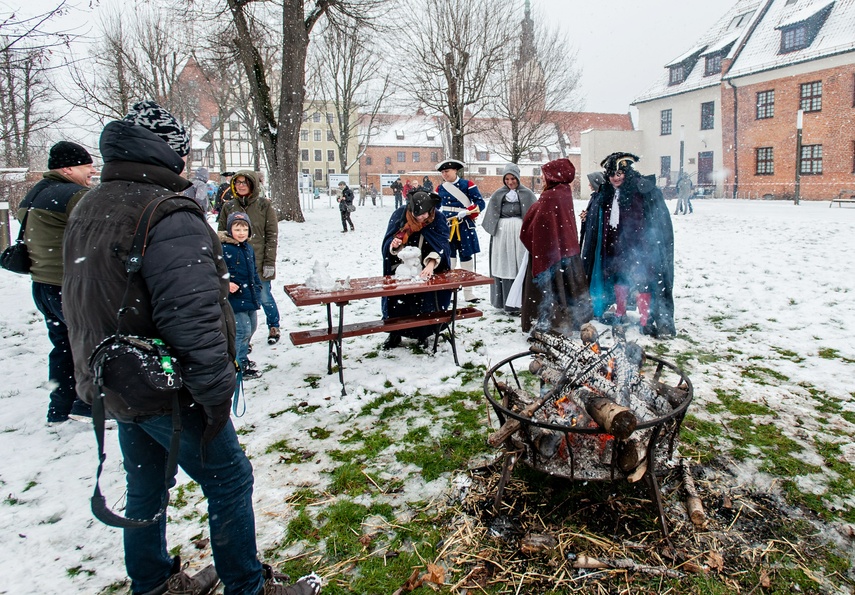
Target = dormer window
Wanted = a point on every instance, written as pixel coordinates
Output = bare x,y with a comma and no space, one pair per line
740,20
713,65
399,134
678,75
794,38
800,29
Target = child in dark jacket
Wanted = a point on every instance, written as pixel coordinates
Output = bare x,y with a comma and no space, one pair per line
244,287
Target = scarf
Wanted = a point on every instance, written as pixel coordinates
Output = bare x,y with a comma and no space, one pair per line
614,217
512,196
413,226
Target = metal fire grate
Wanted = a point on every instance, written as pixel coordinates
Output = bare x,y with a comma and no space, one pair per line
586,453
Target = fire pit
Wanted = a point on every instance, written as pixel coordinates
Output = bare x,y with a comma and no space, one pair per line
587,412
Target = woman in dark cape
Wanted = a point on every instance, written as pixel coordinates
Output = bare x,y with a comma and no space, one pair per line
555,293
419,224
628,251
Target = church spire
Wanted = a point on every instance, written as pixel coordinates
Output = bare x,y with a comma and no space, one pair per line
527,52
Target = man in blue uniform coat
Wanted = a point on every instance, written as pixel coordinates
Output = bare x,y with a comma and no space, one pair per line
461,204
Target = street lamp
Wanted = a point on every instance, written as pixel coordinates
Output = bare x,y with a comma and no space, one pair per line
682,148
799,118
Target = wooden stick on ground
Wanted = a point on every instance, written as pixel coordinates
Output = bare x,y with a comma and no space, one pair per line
694,506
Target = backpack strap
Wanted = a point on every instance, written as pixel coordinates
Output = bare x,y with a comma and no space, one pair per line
98,502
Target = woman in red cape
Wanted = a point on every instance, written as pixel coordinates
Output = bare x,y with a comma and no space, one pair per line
555,294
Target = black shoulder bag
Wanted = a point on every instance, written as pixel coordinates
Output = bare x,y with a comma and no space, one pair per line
16,258
143,372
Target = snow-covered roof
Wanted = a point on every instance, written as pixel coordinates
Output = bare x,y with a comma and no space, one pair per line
836,35
404,131
723,36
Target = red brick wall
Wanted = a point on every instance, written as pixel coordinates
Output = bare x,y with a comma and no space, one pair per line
833,128
371,173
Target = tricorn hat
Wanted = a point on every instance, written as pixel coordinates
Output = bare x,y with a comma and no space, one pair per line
618,161
420,202
449,164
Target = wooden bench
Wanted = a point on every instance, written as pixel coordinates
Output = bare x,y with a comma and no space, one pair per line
846,197
358,329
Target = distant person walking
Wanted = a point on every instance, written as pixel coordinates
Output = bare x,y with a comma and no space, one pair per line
398,191
684,194
345,206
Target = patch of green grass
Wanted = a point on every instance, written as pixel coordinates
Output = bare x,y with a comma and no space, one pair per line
303,497
369,407
317,433
348,479
775,447
790,355
372,354
301,527
843,484
175,550
731,400
455,445
312,381
287,454
696,435
760,374
79,570
30,485
11,500
828,353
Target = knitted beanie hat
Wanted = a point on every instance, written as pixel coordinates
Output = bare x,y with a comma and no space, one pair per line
67,154
151,116
235,217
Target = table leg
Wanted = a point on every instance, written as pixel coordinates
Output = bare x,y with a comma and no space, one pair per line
330,345
338,341
451,336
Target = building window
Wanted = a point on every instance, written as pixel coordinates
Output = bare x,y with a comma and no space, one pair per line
369,160
677,75
402,156
330,137
304,135
329,118
330,155
535,171
665,122
434,156
482,170
388,161
794,38
417,157
319,155
499,171
482,156
316,117
331,170
665,167
811,97
811,161
552,155
708,115
304,154
399,134
713,64
317,136
319,175
305,171
765,104
765,162
535,155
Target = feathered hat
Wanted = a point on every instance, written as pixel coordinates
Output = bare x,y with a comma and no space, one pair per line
618,161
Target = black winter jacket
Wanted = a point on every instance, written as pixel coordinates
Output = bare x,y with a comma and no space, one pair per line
181,292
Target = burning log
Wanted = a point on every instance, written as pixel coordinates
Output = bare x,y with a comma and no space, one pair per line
615,419
694,506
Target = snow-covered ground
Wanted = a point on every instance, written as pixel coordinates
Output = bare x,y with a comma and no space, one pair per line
753,279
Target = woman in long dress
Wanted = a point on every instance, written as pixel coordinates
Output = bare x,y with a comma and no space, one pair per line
503,220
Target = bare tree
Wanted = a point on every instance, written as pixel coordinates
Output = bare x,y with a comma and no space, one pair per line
138,55
279,118
347,75
455,48
534,81
24,97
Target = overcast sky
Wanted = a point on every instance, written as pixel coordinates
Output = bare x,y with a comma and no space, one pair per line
624,44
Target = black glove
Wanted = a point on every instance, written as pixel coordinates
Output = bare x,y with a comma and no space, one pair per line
216,417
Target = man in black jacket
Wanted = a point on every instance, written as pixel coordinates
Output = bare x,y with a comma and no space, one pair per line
181,297
46,208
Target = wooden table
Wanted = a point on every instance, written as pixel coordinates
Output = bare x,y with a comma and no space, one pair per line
374,287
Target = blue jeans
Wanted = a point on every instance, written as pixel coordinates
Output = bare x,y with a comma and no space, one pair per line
48,300
245,325
271,311
226,481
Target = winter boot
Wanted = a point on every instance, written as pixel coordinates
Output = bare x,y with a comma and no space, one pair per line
307,585
273,335
202,583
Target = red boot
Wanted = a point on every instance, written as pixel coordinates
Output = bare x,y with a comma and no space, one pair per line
642,300
621,293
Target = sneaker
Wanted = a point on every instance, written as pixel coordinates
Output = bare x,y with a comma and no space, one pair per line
273,335
251,374
202,583
306,585
249,348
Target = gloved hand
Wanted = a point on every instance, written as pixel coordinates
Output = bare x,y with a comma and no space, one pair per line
268,272
216,418
461,215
